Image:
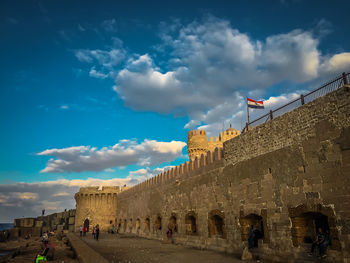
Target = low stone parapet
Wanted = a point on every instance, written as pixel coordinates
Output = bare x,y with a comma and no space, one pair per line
84,253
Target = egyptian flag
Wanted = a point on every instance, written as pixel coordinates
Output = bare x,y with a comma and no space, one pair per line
255,104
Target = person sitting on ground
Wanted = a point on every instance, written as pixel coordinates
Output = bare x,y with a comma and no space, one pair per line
42,256
319,240
327,242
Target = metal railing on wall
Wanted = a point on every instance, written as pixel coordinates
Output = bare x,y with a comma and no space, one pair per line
301,100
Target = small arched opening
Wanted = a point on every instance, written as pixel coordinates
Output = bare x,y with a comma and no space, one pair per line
125,225
190,222
305,227
147,225
158,223
216,224
130,225
138,225
86,224
308,220
252,227
172,223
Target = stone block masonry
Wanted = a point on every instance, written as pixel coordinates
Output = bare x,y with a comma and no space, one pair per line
286,178
37,226
96,205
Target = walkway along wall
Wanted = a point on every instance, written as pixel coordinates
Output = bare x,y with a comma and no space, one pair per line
286,177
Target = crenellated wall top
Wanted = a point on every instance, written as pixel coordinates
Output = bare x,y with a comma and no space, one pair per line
210,160
99,190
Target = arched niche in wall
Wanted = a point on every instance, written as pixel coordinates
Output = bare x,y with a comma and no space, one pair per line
216,224
147,223
158,223
172,224
307,219
191,223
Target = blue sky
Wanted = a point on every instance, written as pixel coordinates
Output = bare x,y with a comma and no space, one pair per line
105,92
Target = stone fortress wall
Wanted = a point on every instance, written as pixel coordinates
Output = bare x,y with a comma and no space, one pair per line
286,177
96,205
36,226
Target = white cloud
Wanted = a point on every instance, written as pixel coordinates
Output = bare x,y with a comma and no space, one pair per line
60,194
109,25
96,74
64,107
215,62
212,66
337,63
138,176
108,59
28,199
125,152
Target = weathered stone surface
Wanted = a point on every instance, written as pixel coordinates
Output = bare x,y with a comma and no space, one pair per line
14,233
84,253
71,220
96,205
27,222
283,177
39,223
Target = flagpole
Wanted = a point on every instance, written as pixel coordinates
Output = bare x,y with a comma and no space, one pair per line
247,109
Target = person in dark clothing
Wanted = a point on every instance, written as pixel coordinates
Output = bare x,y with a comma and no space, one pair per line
319,241
169,235
97,232
251,237
257,236
327,242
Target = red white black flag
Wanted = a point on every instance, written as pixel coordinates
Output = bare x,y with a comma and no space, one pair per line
255,104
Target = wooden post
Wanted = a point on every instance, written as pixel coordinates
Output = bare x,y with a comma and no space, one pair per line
302,99
345,79
271,116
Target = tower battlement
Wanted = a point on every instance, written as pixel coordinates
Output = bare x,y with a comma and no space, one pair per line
198,143
196,133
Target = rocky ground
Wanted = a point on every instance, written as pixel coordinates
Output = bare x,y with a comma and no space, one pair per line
131,249
25,250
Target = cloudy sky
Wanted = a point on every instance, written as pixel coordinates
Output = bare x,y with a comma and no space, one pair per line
103,93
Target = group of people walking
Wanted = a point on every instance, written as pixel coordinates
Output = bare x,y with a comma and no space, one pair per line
95,231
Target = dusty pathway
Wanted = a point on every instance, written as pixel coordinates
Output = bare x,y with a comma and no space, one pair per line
129,249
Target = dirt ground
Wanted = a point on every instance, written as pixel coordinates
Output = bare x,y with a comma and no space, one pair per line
26,250
131,249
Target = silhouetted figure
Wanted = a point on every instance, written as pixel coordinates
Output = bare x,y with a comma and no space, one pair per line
97,232
251,237
319,241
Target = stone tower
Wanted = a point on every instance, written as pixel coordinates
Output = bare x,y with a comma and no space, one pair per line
198,144
96,205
